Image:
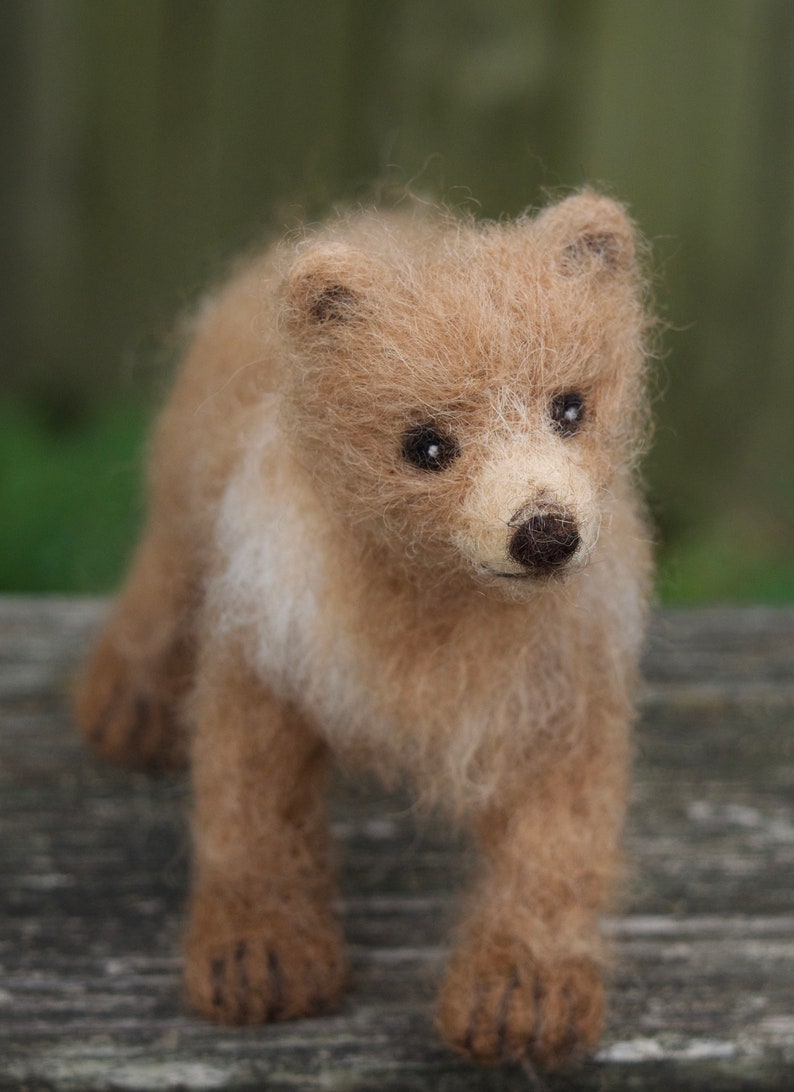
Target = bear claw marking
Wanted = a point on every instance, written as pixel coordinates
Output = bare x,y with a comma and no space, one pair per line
504,1008
467,1042
276,982
217,972
99,728
242,985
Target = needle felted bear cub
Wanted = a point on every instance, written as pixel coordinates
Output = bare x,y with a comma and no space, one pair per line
393,517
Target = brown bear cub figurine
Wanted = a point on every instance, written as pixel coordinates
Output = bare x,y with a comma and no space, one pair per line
393,517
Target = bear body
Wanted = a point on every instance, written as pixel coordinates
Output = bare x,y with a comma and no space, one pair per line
393,518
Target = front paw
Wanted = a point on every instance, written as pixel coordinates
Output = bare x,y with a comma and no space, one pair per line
501,1004
286,965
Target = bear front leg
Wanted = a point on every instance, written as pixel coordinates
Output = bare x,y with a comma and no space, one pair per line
129,696
524,984
263,943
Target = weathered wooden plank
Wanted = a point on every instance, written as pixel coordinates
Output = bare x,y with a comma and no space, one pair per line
94,866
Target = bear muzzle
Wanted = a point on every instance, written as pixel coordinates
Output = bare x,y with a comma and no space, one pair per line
543,542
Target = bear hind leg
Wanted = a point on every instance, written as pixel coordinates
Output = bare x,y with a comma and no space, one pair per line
131,689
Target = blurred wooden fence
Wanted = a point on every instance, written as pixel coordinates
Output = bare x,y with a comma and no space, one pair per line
145,139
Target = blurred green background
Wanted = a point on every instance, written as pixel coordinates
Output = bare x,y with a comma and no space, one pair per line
146,140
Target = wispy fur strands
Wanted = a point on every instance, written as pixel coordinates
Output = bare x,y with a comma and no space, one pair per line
393,517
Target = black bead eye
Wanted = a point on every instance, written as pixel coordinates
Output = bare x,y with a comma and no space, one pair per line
425,447
567,413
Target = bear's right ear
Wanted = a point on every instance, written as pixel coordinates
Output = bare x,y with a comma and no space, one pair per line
328,286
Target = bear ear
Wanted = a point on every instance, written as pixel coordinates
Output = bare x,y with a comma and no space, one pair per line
328,286
589,234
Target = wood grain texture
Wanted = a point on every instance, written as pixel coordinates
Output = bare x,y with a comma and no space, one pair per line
93,867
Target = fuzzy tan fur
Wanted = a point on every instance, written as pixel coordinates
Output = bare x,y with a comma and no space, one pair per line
303,588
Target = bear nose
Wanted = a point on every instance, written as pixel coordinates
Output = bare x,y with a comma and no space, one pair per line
545,541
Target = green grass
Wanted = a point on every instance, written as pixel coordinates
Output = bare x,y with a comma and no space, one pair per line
69,499
70,507
714,566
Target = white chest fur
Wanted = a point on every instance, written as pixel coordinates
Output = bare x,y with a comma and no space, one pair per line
451,705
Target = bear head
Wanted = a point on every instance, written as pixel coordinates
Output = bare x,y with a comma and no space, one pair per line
470,397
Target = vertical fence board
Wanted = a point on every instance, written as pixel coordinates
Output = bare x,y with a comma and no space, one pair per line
146,139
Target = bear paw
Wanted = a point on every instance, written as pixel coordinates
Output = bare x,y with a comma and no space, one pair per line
129,724
521,1009
294,967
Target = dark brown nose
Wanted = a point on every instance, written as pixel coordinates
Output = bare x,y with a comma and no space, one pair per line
545,542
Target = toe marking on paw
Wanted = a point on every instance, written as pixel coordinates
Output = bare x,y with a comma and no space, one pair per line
217,974
468,1037
538,997
141,715
99,728
276,978
502,1013
240,954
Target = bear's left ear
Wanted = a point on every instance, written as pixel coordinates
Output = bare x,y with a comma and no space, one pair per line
588,233
329,285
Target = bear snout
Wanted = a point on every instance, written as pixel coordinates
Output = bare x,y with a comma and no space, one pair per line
545,541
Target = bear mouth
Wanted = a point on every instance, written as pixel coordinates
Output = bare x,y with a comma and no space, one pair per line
540,574
497,574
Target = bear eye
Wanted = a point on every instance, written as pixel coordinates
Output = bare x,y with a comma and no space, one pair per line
428,449
567,412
